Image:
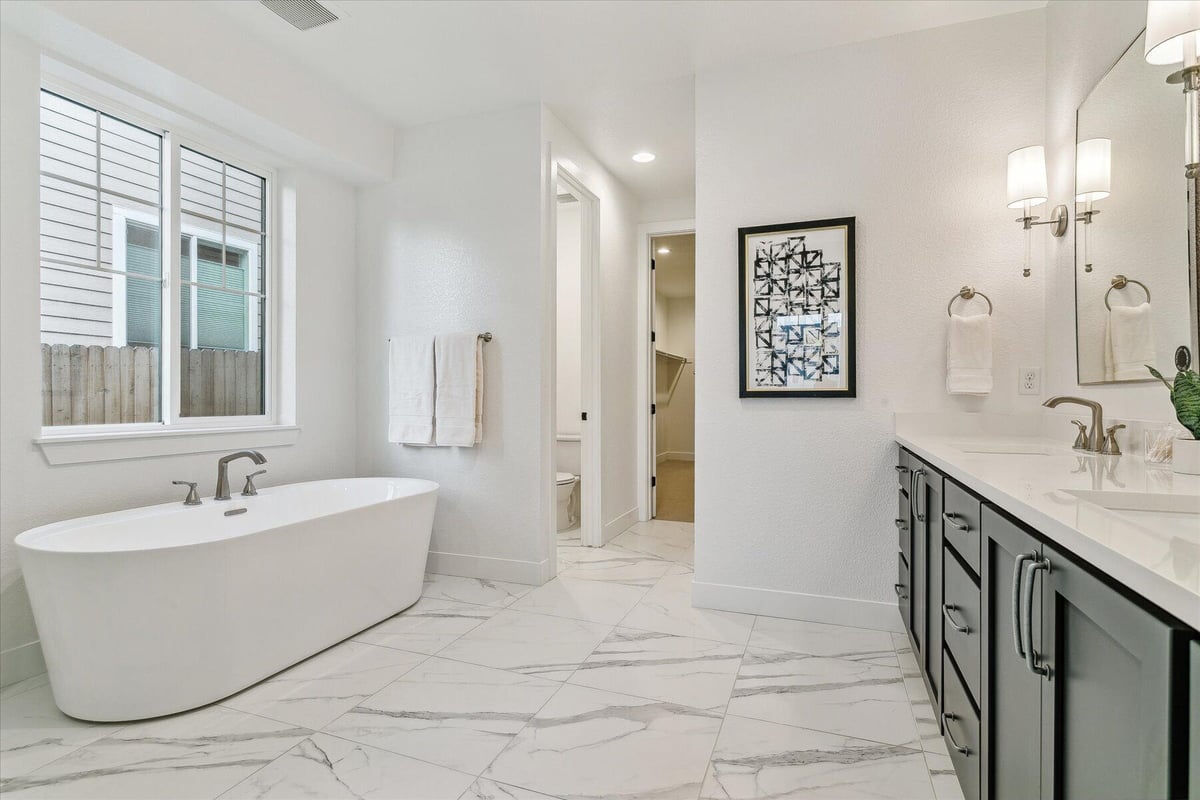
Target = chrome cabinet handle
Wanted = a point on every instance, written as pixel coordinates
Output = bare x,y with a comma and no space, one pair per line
947,717
946,609
899,587
952,520
1030,655
902,524
918,476
1016,602
902,470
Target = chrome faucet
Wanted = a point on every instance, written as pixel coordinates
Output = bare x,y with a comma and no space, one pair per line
223,470
1092,442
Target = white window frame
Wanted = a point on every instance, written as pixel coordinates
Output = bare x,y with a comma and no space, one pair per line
175,433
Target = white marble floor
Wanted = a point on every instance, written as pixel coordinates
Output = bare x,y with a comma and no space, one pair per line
604,683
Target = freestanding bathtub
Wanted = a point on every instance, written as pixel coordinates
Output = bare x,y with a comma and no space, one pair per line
160,609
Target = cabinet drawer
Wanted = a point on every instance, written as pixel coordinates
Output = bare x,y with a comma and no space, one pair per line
903,587
961,620
960,518
904,468
904,525
961,726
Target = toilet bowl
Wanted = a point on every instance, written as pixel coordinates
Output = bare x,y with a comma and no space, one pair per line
568,507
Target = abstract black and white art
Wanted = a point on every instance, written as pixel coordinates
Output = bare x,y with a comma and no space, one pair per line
796,309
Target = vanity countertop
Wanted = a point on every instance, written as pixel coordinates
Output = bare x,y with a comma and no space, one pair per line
1156,555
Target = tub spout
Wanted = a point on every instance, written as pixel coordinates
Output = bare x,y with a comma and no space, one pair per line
223,470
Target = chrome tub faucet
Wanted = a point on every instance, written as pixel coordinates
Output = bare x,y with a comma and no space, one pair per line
223,470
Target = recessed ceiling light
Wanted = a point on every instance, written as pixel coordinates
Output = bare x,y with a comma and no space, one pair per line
662,251
643,157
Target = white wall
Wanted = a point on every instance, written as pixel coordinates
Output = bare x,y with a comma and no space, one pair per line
1083,41
454,243
568,312
618,326
795,497
32,492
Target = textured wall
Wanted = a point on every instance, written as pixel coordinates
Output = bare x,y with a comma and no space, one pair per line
909,134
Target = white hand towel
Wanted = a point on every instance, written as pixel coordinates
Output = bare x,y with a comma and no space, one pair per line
410,390
1129,343
969,355
459,403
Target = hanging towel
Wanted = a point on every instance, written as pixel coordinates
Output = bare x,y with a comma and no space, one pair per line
1129,343
410,390
459,404
969,355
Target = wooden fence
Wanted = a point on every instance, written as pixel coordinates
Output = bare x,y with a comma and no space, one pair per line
89,385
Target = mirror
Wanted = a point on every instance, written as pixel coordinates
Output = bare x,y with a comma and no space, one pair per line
1135,229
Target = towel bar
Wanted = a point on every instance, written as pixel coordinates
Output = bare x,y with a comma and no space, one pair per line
1120,282
966,293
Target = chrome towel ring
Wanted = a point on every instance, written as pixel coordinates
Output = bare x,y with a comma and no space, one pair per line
966,293
1120,282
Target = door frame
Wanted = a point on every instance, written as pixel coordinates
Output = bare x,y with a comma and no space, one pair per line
591,520
645,384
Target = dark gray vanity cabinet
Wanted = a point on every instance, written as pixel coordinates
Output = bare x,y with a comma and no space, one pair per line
919,587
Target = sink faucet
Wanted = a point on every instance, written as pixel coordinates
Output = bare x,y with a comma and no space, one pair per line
223,470
1096,437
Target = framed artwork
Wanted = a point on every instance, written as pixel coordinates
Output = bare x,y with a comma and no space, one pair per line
796,309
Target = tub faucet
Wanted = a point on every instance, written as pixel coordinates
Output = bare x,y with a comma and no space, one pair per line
1092,443
223,470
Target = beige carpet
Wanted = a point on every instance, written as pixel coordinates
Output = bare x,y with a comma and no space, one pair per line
676,491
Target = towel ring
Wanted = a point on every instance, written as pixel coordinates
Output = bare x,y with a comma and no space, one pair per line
966,293
1120,282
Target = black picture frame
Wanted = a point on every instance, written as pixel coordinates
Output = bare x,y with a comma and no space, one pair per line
750,347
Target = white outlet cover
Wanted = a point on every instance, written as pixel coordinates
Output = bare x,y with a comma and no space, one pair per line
1029,380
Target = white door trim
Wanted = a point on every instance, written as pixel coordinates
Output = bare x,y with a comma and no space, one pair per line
645,383
590,517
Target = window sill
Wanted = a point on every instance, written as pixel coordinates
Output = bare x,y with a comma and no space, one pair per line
122,445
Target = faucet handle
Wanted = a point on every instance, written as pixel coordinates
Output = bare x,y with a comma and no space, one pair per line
249,489
193,497
1081,441
1110,446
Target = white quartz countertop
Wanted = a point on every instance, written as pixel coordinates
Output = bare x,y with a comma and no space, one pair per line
1157,556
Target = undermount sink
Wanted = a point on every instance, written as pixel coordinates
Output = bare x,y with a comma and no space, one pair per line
1005,449
1141,502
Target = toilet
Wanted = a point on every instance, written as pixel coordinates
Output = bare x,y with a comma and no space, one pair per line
568,505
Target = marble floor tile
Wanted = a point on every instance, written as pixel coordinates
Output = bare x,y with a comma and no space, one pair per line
330,768
818,639
427,626
587,743
615,565
533,644
928,728
195,755
483,789
945,779
756,759
667,608
675,669
325,686
594,601
852,698
449,713
472,590
33,732
661,539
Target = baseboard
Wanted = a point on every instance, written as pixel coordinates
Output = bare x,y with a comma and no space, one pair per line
797,605
492,569
620,525
678,455
660,458
21,662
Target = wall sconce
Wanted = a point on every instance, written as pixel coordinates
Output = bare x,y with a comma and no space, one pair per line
1093,181
1027,188
1173,37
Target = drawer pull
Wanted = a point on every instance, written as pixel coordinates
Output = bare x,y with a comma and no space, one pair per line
899,587
902,470
953,521
902,524
946,609
947,717
1018,645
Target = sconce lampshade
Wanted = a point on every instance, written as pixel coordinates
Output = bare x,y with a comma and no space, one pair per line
1027,176
1170,25
1093,170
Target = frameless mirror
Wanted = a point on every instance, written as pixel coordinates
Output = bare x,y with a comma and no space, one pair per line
1135,230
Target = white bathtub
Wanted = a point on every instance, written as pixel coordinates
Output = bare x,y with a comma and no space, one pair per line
160,609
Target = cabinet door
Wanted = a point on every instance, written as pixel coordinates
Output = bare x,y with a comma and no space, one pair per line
931,510
1010,695
1106,702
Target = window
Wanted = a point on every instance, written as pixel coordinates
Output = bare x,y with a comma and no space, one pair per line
134,332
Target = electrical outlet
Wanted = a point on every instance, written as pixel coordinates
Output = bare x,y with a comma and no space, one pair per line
1029,380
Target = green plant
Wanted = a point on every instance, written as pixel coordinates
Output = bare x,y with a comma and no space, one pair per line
1185,396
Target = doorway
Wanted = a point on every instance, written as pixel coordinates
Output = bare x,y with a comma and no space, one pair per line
673,367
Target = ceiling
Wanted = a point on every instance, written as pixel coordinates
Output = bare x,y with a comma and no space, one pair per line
620,75
675,272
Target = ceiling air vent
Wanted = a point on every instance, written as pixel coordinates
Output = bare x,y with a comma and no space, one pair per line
301,14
